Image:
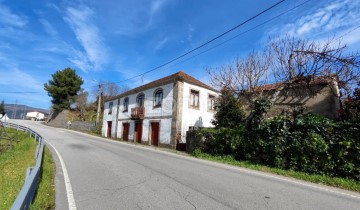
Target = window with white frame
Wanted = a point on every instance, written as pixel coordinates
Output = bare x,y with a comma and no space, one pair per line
158,96
140,100
110,107
194,98
126,104
211,103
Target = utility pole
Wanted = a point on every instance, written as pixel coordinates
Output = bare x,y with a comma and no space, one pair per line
99,105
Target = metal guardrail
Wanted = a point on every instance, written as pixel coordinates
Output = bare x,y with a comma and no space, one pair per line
27,193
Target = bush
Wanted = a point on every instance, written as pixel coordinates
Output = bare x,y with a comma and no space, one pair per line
308,143
223,141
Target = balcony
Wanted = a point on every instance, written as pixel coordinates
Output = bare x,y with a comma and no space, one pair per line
137,113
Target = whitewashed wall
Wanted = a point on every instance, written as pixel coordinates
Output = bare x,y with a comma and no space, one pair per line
109,117
196,117
162,114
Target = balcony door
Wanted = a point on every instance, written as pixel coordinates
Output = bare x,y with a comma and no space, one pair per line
140,100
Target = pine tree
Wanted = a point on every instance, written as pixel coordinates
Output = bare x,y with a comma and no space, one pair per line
63,88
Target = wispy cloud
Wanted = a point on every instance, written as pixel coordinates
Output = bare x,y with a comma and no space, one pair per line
328,19
190,31
161,43
139,19
48,27
24,81
10,19
87,33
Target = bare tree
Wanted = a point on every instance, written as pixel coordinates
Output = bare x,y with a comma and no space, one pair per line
295,60
288,63
81,103
243,75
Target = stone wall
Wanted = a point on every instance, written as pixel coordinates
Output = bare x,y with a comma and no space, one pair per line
83,126
319,99
60,120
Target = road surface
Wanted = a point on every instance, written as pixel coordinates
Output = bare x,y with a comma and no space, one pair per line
104,174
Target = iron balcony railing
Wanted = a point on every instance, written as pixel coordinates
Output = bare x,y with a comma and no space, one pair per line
138,113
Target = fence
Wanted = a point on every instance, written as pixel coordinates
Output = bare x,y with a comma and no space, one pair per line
28,189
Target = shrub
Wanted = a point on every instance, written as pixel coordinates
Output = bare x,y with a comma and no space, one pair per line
308,143
223,141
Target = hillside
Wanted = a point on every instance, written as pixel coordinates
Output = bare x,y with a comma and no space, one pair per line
18,111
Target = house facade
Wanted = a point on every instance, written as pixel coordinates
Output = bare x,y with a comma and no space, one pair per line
159,113
320,96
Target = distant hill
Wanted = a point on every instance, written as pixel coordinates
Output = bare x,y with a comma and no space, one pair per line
18,111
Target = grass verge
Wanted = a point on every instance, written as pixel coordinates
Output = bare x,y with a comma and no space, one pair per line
45,198
347,184
13,165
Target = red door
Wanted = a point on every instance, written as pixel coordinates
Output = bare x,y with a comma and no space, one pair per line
109,125
155,133
125,133
138,131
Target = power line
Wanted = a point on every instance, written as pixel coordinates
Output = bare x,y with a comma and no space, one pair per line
244,32
20,92
206,43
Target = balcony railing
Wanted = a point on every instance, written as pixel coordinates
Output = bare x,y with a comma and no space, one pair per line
137,113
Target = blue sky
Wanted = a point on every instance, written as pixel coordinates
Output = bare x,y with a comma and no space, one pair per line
112,41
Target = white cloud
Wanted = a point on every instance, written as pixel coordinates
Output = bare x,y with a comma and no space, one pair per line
10,19
139,19
161,43
191,30
87,33
156,6
322,22
48,27
18,79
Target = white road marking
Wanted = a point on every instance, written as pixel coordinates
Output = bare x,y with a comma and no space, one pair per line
69,192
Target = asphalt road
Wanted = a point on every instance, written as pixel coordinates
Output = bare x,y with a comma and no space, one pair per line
104,174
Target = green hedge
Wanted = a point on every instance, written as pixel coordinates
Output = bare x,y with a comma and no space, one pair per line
309,143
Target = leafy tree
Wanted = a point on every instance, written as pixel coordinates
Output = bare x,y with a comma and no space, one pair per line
63,88
2,107
229,110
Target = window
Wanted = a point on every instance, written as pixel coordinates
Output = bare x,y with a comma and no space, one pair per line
140,100
211,103
194,98
126,104
158,96
110,107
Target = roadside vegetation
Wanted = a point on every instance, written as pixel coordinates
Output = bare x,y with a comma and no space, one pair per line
13,165
343,183
14,162
45,194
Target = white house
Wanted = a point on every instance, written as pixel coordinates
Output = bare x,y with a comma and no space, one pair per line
160,112
35,115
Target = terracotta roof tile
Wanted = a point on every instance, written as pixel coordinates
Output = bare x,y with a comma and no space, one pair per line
314,81
178,76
